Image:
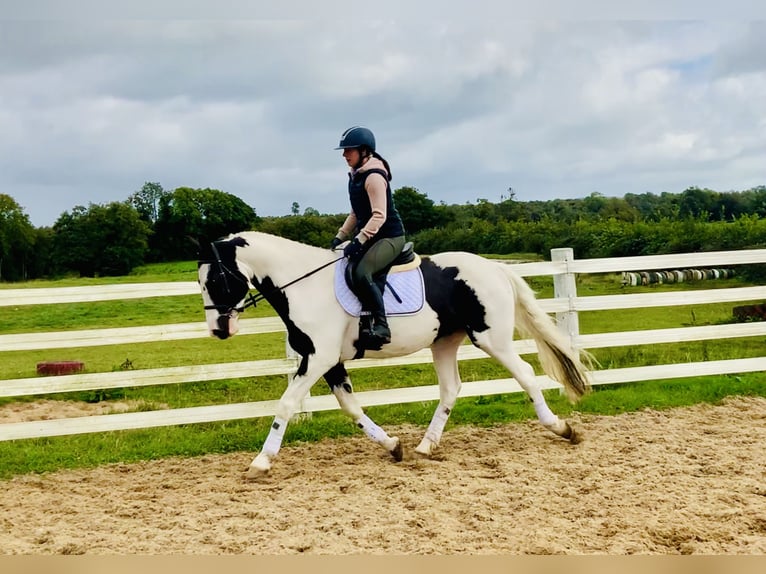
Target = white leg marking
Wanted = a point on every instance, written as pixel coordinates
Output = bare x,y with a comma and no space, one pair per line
274,440
376,433
435,429
350,406
544,414
525,376
262,463
445,362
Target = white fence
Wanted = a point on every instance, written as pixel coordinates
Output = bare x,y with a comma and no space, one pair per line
565,304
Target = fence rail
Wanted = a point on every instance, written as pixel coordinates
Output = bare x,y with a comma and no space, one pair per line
566,304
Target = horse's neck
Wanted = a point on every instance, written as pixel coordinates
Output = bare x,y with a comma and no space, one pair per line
279,258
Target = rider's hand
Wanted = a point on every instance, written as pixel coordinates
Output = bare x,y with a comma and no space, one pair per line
353,249
335,242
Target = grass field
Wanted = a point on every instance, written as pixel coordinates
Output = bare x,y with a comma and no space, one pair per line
39,455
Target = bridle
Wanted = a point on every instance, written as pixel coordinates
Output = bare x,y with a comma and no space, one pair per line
250,300
223,271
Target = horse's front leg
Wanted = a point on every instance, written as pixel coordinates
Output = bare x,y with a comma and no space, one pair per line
340,384
299,385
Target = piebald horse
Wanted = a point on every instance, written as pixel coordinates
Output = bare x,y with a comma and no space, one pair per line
465,295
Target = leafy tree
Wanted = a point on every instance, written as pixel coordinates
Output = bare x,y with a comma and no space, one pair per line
650,207
417,211
510,210
756,200
41,263
696,202
147,201
486,210
731,206
17,237
618,208
594,204
100,240
193,213
315,230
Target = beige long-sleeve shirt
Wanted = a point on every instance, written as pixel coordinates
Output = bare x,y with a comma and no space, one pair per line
376,186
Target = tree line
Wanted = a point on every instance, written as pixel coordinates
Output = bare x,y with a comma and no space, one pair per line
151,225
154,224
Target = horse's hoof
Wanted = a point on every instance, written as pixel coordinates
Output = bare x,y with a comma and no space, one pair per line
425,448
260,466
572,435
256,471
397,452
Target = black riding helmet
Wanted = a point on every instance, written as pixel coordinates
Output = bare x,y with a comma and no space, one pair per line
357,137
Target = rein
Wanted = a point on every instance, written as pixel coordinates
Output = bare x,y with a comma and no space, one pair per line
252,300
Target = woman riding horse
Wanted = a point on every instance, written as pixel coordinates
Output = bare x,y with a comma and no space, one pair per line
465,295
376,225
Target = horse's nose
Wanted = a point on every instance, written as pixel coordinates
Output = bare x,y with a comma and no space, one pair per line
221,333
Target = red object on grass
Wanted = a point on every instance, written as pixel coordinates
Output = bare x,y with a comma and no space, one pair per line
59,367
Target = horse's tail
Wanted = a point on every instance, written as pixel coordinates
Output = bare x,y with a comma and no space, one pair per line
559,360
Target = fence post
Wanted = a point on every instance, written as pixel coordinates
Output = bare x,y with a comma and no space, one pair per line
302,414
565,287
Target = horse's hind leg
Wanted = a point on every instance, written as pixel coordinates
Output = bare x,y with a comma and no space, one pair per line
340,384
444,352
525,376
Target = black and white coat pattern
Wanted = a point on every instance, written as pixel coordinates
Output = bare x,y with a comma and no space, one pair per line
466,295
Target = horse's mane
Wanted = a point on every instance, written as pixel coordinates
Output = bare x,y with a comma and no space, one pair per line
281,244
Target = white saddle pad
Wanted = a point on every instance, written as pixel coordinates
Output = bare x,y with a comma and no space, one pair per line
407,284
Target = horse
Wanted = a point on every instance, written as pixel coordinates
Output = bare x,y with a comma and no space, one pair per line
465,295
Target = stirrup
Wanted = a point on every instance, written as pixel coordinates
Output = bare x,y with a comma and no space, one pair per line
384,336
368,338
371,342
378,335
365,325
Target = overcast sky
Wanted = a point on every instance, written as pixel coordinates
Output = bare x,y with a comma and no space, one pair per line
92,109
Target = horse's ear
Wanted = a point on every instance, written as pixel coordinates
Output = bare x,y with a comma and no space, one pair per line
238,241
201,246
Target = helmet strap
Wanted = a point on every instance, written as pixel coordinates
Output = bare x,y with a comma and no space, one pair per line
364,154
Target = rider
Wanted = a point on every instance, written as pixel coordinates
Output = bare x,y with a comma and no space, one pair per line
373,220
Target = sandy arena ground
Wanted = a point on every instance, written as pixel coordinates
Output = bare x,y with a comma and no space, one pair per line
683,481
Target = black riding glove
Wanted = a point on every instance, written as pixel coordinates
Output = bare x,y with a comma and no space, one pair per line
353,249
335,242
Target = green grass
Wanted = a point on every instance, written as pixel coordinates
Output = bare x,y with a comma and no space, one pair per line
150,273
42,455
22,364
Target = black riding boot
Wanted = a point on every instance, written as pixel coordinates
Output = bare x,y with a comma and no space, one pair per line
372,301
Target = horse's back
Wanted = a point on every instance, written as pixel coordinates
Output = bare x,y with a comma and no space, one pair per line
468,267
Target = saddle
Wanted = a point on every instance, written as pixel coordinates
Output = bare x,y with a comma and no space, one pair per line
406,260
401,286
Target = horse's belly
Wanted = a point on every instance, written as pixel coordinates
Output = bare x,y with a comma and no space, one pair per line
394,350
409,334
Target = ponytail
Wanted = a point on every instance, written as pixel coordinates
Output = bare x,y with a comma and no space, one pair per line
385,163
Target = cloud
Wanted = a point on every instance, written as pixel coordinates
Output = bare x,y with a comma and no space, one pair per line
91,109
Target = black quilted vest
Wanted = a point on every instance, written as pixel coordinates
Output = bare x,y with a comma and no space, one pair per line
360,204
